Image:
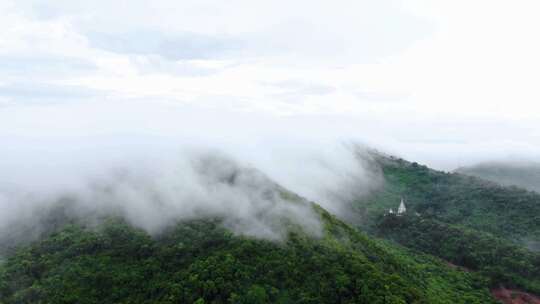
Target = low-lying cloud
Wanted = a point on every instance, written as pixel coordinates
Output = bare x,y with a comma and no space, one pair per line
155,164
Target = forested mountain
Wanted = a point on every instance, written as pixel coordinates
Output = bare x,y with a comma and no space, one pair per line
199,261
487,228
460,237
507,212
520,173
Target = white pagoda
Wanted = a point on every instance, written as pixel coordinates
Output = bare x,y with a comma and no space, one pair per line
402,209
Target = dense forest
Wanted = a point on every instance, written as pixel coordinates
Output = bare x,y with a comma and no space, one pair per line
479,225
498,259
507,212
460,237
201,262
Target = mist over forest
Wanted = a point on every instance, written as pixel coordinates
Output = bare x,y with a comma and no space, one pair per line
269,152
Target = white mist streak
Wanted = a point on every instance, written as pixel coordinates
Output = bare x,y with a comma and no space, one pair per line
156,164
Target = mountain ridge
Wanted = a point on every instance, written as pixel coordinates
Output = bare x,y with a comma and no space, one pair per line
524,174
199,261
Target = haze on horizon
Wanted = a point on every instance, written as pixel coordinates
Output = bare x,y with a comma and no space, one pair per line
444,83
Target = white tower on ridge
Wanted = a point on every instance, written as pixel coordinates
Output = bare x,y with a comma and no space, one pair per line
402,209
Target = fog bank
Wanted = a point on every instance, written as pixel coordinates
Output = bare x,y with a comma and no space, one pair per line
156,164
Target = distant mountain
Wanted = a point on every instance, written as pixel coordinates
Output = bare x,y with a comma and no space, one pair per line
522,174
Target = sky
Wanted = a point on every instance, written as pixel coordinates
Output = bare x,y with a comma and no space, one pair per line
445,83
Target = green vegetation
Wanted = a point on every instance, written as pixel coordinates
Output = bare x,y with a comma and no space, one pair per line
470,222
501,261
201,262
507,212
462,220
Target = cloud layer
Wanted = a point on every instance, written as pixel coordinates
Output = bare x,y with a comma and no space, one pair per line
155,165
450,77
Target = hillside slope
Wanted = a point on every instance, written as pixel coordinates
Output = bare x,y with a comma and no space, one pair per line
199,261
501,261
488,228
506,212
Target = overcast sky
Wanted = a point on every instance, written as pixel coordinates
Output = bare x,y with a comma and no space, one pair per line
446,83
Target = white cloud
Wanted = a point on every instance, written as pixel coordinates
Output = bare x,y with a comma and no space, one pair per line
450,77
